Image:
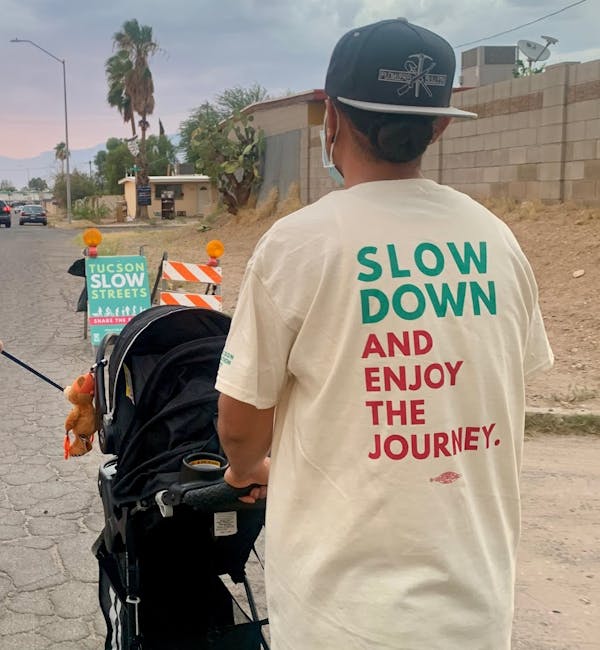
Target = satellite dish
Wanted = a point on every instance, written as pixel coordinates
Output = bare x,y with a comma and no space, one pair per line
534,51
550,40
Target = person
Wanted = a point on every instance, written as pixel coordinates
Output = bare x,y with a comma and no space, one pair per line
378,352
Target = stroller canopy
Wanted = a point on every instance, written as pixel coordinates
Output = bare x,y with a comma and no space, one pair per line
163,400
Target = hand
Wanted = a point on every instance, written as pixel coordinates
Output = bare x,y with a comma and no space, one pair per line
259,476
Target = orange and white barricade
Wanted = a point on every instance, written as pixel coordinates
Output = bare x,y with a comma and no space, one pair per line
208,275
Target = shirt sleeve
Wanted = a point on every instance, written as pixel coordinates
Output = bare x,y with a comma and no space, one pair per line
538,354
253,365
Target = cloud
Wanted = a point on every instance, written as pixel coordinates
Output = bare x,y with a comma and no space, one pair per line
210,45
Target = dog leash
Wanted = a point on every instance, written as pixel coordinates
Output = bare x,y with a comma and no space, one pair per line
30,369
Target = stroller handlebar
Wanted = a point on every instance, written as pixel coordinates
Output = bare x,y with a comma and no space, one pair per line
214,497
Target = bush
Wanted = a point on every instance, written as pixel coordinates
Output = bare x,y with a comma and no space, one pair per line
90,209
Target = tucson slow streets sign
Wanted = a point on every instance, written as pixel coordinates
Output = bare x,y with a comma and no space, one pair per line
117,290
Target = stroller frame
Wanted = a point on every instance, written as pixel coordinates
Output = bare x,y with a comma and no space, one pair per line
148,545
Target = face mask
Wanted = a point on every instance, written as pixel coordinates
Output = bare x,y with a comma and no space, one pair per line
328,163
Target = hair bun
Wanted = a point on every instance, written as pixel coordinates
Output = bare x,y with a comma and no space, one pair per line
400,139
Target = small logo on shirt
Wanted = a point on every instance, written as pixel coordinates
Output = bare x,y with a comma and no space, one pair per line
415,76
446,477
226,358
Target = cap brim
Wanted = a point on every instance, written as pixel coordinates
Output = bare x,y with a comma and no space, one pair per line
436,111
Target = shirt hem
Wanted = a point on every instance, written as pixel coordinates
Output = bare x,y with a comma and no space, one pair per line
243,395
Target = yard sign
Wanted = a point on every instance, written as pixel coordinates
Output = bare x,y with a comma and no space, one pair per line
117,290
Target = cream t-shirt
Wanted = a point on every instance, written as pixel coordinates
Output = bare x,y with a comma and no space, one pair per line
393,325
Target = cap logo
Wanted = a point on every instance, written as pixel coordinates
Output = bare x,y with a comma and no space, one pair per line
415,76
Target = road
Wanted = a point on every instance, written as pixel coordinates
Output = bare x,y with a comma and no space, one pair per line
50,512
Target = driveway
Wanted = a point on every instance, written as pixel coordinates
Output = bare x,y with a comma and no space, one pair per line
50,512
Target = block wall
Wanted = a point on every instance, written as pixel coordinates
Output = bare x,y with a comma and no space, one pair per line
536,138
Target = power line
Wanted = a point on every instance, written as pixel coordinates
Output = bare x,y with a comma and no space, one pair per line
514,29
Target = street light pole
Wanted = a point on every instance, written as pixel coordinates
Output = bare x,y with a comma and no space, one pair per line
68,152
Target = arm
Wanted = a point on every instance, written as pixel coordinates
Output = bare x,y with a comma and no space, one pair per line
246,434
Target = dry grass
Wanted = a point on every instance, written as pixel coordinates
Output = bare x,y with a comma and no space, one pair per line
291,203
271,207
562,424
575,395
511,210
187,243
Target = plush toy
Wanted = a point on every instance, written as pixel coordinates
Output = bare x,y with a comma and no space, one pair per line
80,424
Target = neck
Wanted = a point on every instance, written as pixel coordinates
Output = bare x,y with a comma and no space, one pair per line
361,171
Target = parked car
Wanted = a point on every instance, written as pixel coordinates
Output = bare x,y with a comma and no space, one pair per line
33,214
4,214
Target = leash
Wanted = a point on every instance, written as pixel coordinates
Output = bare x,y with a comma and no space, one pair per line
32,370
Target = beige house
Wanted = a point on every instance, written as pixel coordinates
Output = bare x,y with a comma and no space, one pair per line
293,150
192,194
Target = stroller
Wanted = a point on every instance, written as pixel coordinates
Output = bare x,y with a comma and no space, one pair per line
173,527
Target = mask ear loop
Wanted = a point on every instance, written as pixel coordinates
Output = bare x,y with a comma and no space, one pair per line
333,139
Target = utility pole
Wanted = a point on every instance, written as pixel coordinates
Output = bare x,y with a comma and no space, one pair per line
62,62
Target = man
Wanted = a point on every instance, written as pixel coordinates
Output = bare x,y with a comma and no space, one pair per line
386,330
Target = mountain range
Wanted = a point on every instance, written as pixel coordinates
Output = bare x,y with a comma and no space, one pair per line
45,165
19,170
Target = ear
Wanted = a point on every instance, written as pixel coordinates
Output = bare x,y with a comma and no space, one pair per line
439,126
331,124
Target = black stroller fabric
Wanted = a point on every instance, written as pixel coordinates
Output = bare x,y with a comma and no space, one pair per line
163,404
184,604
175,416
147,339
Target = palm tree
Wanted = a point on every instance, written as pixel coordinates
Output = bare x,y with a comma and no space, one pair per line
135,46
60,153
117,68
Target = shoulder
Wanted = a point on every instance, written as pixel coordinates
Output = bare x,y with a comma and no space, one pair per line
472,209
319,212
301,229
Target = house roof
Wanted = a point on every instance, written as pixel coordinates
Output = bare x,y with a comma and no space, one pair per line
180,178
315,95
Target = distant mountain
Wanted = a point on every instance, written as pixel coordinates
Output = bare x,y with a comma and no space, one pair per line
20,170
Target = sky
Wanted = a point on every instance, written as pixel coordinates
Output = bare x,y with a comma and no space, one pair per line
210,45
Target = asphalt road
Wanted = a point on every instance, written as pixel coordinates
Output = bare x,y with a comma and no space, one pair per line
49,509
50,512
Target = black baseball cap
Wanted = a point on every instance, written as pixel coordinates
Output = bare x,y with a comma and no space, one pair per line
393,66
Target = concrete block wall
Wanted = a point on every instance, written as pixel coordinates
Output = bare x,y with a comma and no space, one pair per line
536,137
582,134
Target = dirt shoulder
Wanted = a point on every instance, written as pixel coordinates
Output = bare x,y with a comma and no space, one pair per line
561,242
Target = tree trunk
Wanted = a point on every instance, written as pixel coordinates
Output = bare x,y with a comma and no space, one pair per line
141,211
230,202
244,189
